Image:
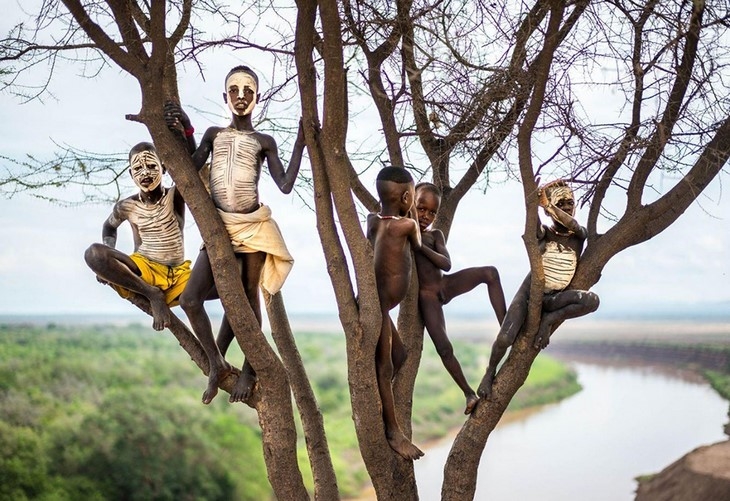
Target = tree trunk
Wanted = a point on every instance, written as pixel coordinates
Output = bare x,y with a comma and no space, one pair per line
325,482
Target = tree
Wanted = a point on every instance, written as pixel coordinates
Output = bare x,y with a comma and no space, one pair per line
458,82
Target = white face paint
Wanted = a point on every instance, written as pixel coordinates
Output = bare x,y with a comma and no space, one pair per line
559,193
241,88
146,170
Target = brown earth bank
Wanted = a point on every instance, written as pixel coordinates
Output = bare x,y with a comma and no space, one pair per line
703,474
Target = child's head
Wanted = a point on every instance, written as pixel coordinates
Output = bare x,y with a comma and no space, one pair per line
428,201
242,90
560,195
395,188
145,166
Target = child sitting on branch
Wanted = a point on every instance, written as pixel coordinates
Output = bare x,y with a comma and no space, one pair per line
157,268
561,245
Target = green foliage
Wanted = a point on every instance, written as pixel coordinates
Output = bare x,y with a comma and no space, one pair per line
112,413
103,412
720,381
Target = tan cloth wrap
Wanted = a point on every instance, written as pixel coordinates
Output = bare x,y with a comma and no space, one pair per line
257,231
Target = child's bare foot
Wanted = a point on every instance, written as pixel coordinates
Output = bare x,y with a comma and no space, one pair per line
215,376
160,313
400,444
542,338
243,388
485,388
471,403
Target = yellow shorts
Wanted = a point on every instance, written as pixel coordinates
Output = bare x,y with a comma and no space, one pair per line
169,279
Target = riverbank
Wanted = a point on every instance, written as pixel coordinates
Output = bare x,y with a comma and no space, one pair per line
700,348
626,422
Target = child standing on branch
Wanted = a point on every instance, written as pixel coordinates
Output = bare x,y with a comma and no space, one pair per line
435,289
237,154
393,232
561,245
157,269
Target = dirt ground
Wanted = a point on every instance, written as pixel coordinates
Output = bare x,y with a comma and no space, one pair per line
703,474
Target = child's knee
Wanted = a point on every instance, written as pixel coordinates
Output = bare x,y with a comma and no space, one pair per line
592,301
94,254
491,274
189,302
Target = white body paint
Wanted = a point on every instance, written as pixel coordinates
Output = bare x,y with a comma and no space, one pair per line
146,164
235,171
241,80
159,229
559,263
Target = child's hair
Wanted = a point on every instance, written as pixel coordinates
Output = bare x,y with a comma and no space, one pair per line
245,69
429,187
395,174
557,189
143,146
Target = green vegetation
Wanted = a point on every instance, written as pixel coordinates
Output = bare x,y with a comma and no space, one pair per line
103,412
720,381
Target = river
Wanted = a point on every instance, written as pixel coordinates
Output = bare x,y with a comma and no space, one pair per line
626,422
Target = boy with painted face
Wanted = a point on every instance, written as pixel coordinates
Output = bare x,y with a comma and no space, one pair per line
561,246
237,154
435,289
392,233
157,269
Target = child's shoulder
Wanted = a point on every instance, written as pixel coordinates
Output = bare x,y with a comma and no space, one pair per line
264,139
126,205
213,131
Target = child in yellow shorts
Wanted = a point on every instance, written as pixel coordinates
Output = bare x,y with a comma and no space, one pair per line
169,279
157,269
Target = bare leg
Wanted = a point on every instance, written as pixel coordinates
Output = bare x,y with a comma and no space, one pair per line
433,317
191,300
562,306
465,280
118,268
384,370
398,352
507,334
247,377
253,264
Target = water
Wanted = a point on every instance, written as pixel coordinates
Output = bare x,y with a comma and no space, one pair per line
626,422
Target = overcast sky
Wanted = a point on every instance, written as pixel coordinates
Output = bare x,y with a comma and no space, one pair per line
42,245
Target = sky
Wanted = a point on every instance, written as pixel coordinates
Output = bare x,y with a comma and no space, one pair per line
42,270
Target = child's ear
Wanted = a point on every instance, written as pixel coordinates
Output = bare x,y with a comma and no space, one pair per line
225,98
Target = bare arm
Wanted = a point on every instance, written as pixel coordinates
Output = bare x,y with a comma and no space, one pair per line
178,121
109,229
558,215
414,235
566,220
284,178
438,255
206,147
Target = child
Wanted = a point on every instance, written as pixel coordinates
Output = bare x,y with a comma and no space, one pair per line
561,246
238,152
157,269
392,234
437,289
